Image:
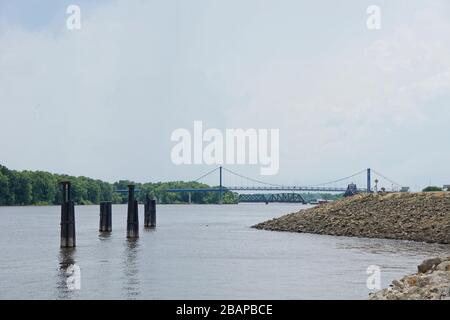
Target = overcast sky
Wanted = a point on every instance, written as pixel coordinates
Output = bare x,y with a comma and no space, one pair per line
103,101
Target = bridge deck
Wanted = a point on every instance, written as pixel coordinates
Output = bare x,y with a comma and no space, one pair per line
281,188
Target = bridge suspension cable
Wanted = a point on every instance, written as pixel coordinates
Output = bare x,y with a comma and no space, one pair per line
339,180
251,179
284,186
279,185
206,174
386,178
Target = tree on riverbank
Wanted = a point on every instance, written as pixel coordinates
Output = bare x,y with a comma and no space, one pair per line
42,188
432,189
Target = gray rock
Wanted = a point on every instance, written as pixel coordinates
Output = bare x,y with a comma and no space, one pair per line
423,217
444,266
428,265
432,282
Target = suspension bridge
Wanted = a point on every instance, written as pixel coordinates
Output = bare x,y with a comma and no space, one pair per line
246,184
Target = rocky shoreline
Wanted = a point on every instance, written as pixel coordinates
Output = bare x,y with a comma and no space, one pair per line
431,282
421,217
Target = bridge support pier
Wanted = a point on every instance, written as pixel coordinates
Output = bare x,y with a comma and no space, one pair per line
68,239
105,216
150,214
351,190
132,214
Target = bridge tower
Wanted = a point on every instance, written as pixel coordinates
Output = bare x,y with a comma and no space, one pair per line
368,181
220,186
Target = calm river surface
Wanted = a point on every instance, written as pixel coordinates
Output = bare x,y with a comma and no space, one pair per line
196,252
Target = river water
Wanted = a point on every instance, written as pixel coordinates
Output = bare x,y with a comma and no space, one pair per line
196,252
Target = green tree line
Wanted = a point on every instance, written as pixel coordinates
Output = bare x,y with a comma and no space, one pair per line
43,188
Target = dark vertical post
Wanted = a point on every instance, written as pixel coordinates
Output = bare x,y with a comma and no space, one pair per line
150,213
136,219
153,213
105,216
102,217
147,212
109,217
220,185
368,181
67,218
132,216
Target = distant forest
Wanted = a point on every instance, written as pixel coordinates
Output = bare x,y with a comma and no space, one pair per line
43,188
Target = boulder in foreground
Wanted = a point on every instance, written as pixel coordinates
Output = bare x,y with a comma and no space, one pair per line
431,282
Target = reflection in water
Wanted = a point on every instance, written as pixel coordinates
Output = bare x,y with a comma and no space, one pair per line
103,236
66,271
184,259
131,286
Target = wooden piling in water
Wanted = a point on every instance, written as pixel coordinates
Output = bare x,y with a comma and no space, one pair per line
68,239
132,215
105,216
150,213
147,213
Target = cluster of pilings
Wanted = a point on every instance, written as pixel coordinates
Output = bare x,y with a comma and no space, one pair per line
105,225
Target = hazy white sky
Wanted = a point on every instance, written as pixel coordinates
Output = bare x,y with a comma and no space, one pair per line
104,100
